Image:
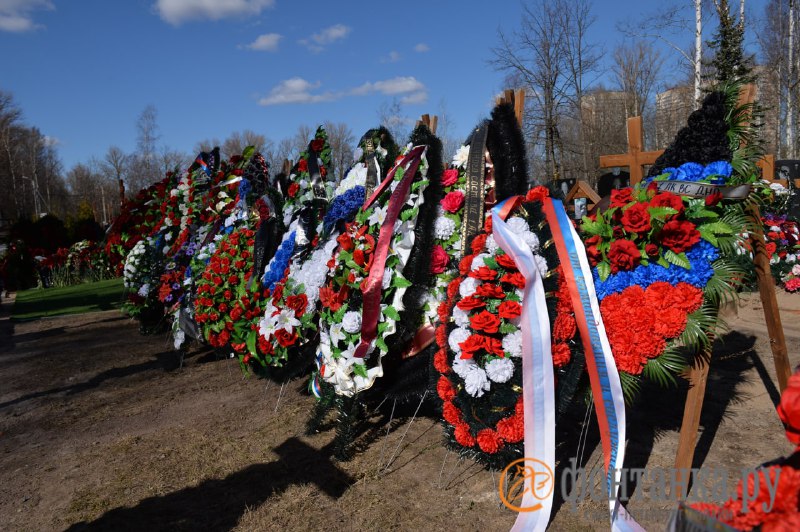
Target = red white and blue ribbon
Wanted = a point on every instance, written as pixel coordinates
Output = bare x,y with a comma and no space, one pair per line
538,388
603,375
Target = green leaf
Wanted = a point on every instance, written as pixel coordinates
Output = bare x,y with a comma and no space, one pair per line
508,328
603,270
678,259
593,228
248,152
251,342
381,344
391,313
491,263
360,370
661,213
708,235
409,214
401,282
662,262
705,213
718,228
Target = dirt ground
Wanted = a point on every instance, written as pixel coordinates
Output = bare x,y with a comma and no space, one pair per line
100,429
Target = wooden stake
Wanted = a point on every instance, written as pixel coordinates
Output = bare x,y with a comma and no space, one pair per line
635,158
697,376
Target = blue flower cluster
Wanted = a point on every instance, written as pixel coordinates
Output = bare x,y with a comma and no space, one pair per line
700,256
279,262
716,172
244,187
344,207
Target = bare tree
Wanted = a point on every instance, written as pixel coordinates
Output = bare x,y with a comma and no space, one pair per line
392,117
341,139
636,68
239,140
115,165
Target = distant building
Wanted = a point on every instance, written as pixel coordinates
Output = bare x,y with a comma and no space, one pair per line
673,107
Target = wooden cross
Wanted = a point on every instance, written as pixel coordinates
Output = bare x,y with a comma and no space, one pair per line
517,99
429,121
635,158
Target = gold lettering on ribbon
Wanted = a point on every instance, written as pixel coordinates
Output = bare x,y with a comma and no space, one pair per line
472,222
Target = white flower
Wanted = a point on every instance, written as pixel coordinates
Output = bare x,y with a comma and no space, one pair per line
443,228
774,228
478,262
456,337
476,382
378,215
179,337
468,286
336,333
461,156
461,317
500,370
491,245
779,189
351,322
517,225
144,290
462,366
168,237
541,263
387,278
512,344
790,259
532,240
796,269
286,320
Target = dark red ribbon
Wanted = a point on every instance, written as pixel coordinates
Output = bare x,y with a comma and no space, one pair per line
374,283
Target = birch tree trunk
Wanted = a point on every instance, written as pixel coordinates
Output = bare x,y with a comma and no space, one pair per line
790,97
698,49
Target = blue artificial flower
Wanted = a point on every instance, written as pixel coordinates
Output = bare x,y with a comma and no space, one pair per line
244,187
277,266
344,207
718,168
688,172
700,257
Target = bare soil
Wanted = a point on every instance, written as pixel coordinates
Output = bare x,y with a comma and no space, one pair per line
101,429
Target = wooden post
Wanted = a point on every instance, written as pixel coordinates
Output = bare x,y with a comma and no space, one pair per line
772,315
430,122
635,158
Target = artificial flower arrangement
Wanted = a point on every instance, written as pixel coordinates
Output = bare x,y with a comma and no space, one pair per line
773,502
297,287
783,248
300,191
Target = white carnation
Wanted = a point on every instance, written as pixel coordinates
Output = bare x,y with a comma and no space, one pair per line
461,317
476,383
491,245
512,344
541,263
478,261
462,366
517,225
468,286
351,322
456,337
500,370
443,228
461,156
532,240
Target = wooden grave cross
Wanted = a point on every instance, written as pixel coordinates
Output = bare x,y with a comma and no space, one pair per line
636,158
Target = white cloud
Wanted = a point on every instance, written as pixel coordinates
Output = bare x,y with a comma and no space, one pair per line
298,90
421,47
178,11
331,34
265,43
16,16
393,57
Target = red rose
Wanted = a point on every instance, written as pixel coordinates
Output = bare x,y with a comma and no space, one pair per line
358,257
789,409
293,188
623,255
285,338
484,273
485,321
449,177
236,313
277,293
621,197
679,235
515,279
668,199
302,165
489,441
453,201
491,291
509,310
329,298
636,219
506,262
298,304
713,198
594,255
618,232
439,259
537,194
651,250
464,265
317,145
472,345
345,241
445,389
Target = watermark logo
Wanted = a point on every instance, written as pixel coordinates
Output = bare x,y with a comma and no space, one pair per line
512,487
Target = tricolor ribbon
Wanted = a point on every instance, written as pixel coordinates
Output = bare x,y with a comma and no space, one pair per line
538,388
603,375
374,283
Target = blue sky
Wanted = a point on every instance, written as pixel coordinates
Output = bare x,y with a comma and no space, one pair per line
83,70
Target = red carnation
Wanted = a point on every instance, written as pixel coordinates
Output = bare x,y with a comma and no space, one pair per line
561,354
636,219
317,145
298,304
679,235
789,409
439,259
771,248
449,177
445,389
621,197
564,327
623,255
440,362
451,413
537,194
464,265
489,441
485,321
453,201
478,243
509,310
511,429
302,165
293,188
463,436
